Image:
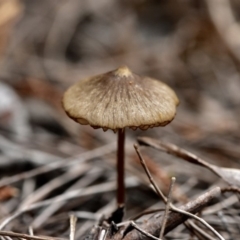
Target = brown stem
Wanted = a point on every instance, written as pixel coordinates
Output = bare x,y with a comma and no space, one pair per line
120,168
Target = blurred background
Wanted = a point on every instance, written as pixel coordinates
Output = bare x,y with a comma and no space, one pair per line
47,45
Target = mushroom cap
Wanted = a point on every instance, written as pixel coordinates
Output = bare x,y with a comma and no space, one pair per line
120,99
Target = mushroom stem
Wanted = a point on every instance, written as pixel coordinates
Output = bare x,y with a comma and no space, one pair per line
120,168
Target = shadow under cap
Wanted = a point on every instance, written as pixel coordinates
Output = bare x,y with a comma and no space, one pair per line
120,99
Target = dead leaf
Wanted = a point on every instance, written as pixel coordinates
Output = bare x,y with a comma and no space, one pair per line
8,192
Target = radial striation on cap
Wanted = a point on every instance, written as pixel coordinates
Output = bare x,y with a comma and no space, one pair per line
120,99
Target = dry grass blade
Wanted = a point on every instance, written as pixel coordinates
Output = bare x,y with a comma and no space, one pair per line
198,231
100,188
164,222
229,175
25,236
133,224
62,163
43,191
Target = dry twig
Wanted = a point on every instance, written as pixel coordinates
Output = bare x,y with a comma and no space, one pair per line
173,208
229,175
133,224
73,221
167,207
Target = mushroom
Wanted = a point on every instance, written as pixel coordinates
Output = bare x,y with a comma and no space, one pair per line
119,99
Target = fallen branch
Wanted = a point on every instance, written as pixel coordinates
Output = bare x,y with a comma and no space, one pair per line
172,207
153,226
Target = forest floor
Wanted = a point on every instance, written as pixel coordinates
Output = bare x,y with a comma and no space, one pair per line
58,178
